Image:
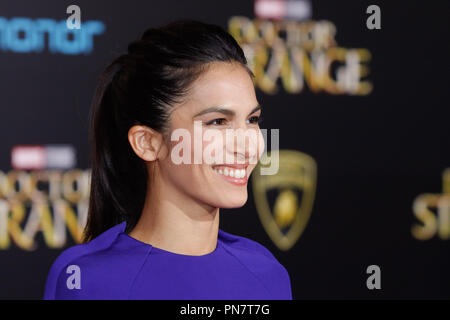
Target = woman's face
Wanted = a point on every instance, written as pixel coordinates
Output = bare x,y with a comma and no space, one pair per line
220,152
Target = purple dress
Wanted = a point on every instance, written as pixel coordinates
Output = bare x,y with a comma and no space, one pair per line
117,266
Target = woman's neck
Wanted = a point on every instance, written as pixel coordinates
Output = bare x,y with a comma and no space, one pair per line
176,222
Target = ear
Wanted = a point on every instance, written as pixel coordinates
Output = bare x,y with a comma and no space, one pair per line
145,142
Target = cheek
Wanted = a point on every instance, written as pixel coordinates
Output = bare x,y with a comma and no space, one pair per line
189,178
184,172
213,147
176,164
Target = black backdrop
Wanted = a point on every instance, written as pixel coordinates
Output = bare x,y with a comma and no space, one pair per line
375,153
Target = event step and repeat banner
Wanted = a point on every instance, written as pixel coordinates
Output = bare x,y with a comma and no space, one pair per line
356,109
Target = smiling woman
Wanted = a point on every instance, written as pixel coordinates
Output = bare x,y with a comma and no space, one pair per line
153,223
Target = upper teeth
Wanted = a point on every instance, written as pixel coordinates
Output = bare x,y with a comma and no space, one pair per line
236,173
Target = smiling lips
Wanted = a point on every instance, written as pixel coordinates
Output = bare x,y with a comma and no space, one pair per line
234,173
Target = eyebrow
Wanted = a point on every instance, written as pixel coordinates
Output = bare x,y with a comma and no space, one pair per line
225,111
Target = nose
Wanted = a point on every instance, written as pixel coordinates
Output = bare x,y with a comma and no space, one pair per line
242,144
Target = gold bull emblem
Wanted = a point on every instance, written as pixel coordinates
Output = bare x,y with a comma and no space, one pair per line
284,200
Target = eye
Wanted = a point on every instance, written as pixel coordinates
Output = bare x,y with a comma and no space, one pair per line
218,121
255,119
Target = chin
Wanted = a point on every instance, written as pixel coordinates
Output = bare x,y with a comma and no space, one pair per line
234,202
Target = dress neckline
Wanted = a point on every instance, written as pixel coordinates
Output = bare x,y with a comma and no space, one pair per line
212,253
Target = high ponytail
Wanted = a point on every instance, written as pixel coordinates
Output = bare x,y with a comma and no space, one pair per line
140,88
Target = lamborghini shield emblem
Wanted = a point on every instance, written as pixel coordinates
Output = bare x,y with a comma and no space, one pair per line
284,200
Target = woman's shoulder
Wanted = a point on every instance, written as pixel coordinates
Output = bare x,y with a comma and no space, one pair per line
80,262
260,261
243,243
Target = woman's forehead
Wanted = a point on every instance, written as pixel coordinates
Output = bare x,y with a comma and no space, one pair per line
222,86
